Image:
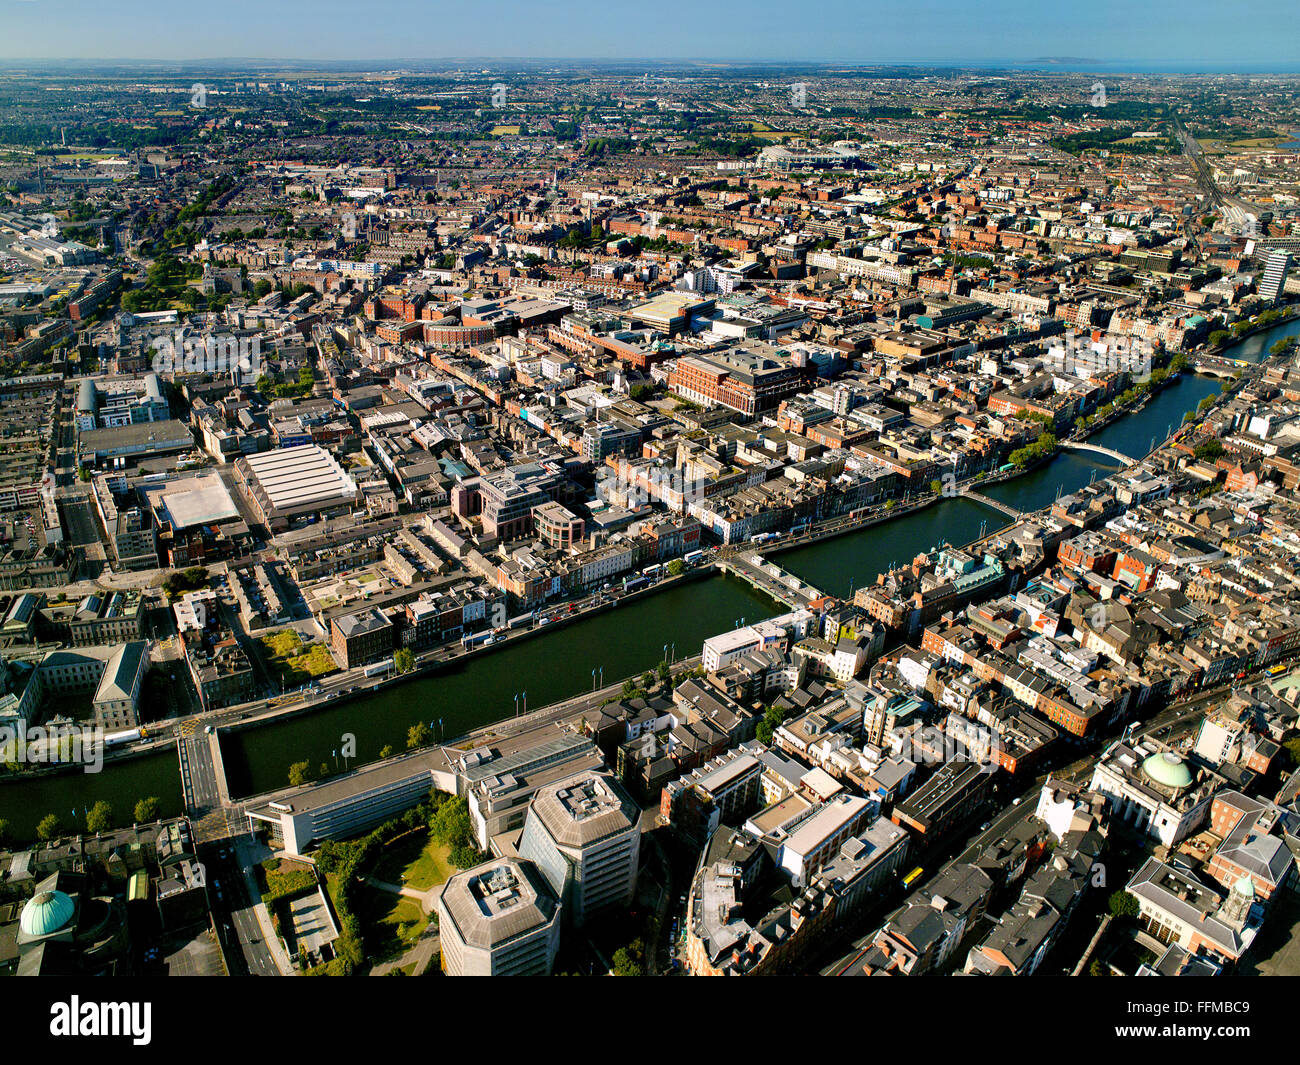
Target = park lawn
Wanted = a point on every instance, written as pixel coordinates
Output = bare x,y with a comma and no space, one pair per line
508,130
416,857
391,923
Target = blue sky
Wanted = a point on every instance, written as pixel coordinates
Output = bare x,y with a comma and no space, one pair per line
1217,33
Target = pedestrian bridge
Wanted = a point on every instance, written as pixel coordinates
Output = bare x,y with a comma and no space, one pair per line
996,504
1118,456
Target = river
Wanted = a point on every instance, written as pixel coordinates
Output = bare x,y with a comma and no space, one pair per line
626,641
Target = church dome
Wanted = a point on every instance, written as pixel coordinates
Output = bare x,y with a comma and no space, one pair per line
1168,770
45,913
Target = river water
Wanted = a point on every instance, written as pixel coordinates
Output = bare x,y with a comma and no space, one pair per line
625,641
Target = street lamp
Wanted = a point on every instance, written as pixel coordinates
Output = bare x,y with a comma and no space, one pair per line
593,680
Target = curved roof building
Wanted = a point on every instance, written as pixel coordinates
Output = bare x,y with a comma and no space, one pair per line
46,913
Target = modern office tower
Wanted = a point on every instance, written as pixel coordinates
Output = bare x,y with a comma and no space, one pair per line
1273,280
584,834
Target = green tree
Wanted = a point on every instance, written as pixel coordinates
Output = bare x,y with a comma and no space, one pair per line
404,660
630,960
100,818
386,751
48,827
773,719
146,810
300,773
676,567
1123,904
418,735
450,824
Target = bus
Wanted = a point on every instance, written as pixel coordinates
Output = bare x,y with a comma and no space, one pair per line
1277,670
802,527
913,877
692,557
520,621
652,571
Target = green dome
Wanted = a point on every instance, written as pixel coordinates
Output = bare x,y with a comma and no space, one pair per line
46,913
1168,769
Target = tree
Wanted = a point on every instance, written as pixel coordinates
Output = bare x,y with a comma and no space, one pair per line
773,718
630,960
1123,904
418,735
48,827
664,670
300,773
676,567
404,660
936,486
146,810
450,824
100,818
386,751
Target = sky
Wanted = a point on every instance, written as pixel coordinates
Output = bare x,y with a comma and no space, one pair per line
1136,34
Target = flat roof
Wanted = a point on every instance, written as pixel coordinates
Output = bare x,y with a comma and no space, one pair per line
202,500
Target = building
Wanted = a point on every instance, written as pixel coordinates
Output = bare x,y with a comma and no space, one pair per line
1154,790
356,639
745,381
295,482
349,805
501,918
720,792
500,784
1273,281
584,834
1175,907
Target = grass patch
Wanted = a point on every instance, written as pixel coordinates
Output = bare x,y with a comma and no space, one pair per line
393,923
291,664
414,861
280,879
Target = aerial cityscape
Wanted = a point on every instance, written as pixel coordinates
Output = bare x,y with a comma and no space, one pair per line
626,517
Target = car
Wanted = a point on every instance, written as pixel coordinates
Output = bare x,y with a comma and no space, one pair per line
985,826
1016,800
